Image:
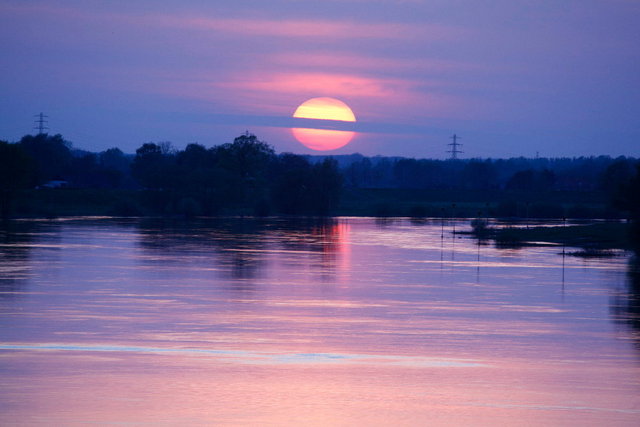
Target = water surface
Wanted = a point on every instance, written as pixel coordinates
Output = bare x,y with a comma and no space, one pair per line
279,322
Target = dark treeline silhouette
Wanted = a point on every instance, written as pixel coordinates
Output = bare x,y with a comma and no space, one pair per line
626,197
242,177
582,187
246,176
559,174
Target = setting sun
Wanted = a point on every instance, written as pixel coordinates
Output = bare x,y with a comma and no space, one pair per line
323,109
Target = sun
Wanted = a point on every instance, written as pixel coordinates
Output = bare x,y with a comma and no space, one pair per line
324,109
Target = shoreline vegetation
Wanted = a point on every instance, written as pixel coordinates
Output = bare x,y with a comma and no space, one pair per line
43,176
593,239
411,203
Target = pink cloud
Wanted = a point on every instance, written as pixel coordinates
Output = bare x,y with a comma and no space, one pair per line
248,26
377,85
306,28
278,94
353,61
320,84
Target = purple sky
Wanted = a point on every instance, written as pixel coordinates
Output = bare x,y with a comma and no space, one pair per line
512,77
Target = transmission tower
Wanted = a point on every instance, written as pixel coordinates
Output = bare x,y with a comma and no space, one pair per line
41,123
454,147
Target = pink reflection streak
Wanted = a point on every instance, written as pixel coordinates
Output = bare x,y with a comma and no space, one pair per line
337,243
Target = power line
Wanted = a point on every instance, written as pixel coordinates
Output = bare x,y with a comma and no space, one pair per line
41,123
454,147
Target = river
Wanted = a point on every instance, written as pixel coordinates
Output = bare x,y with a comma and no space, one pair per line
347,321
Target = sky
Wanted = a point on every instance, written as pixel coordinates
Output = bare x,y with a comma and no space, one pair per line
510,77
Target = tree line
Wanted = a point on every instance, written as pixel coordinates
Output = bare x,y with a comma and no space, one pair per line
601,173
247,176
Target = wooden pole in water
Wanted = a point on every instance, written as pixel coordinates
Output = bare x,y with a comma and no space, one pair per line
453,207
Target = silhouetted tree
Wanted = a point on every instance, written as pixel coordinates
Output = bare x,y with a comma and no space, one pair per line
245,164
300,188
116,167
152,166
407,173
51,157
83,171
325,187
114,158
616,174
198,181
531,180
479,175
359,174
628,199
14,174
291,183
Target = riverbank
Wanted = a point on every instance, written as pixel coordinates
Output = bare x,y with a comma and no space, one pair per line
593,239
380,202
394,202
